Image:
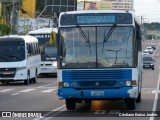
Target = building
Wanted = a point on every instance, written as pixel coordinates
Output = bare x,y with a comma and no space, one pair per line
152,30
121,4
57,6
28,9
106,4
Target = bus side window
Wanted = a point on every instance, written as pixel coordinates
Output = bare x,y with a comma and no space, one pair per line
29,49
39,52
34,50
138,37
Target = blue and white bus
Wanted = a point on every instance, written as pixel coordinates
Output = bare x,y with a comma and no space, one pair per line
99,57
19,59
48,52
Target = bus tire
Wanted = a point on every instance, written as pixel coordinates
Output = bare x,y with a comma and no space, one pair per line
35,78
27,81
70,104
131,103
139,98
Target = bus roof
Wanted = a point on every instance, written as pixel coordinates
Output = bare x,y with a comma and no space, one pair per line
26,38
132,12
43,31
98,11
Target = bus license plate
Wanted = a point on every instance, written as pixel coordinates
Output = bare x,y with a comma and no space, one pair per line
146,65
97,93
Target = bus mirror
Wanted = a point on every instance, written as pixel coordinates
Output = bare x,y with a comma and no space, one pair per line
53,38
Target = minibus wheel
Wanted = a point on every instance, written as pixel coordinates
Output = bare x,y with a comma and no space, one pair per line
26,82
35,78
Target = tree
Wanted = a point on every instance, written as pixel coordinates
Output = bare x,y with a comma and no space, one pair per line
5,29
40,4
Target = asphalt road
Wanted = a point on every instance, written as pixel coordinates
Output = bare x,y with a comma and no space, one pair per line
41,98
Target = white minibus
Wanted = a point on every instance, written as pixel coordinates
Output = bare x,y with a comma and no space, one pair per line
19,59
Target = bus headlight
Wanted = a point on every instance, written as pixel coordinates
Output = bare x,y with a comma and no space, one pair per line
54,64
65,84
128,83
21,68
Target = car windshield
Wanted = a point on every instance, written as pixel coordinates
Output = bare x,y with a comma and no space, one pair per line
147,59
12,51
145,52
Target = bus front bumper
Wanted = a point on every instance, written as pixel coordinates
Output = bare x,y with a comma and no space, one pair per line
48,69
121,93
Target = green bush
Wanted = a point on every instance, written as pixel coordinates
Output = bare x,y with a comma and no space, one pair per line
5,30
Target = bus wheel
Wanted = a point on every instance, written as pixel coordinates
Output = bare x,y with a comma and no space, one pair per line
35,78
131,103
26,82
70,104
139,98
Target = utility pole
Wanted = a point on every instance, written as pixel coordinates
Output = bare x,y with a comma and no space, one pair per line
13,17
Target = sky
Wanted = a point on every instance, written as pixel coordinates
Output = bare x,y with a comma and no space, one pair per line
148,9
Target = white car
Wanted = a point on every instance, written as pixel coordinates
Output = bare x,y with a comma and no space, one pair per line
150,50
145,53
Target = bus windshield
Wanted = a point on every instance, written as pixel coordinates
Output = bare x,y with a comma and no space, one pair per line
96,47
12,51
48,52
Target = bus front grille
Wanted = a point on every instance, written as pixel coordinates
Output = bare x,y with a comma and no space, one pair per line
96,83
93,78
7,72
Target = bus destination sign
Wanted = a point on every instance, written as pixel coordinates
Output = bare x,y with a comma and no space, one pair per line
95,19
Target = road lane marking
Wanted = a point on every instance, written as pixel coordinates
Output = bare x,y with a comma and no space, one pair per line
61,108
5,90
114,112
48,90
15,93
26,90
31,89
100,112
47,85
156,97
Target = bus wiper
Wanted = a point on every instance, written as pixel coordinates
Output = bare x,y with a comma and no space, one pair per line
13,56
85,37
48,56
108,35
4,58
